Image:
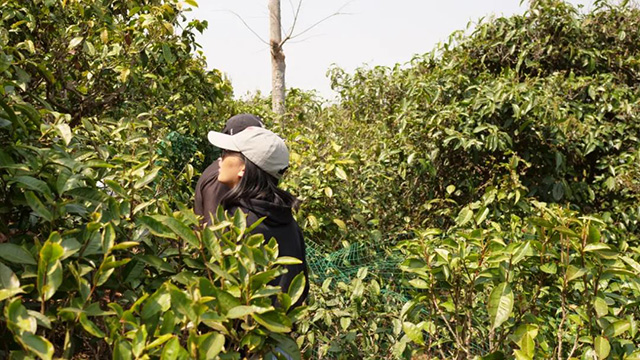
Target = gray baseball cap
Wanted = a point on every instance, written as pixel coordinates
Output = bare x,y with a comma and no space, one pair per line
261,146
239,122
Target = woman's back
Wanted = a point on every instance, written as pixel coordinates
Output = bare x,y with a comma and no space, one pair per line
279,224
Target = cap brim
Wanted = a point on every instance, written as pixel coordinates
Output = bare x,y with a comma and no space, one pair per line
223,141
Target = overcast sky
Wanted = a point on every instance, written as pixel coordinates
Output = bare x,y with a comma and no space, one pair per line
370,32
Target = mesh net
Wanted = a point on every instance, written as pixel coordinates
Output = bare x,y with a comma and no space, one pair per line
343,264
381,261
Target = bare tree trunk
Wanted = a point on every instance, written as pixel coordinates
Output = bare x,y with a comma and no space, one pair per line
277,58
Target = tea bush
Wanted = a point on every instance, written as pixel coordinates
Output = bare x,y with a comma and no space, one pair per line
472,139
99,255
500,170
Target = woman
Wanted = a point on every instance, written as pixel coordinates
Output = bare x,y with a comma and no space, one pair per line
209,191
252,163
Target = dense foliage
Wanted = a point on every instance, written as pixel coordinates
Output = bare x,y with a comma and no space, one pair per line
95,259
505,165
480,201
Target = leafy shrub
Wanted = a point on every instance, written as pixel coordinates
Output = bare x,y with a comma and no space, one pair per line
94,261
203,298
552,285
354,320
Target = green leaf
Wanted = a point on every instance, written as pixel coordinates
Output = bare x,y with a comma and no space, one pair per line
156,262
226,301
240,311
12,115
340,224
465,215
296,288
65,132
574,272
18,320
139,340
49,268
37,344
192,3
521,355
172,351
90,327
558,191
500,304
596,247
273,321
16,254
178,228
521,251
37,206
498,355
340,173
166,53
616,328
345,322
240,221
527,345
9,283
602,347
566,231
122,350
41,319
482,215
288,345
549,268
108,238
125,245
210,345
594,235
287,260
160,301
600,306
149,177
159,341
414,332
156,227
75,42
34,184
632,263
117,188
9,293
88,194
8,280
181,302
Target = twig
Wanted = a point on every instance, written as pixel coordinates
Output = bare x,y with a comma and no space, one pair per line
575,344
339,12
295,19
247,26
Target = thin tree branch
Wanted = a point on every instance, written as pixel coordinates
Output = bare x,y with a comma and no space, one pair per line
293,12
295,20
247,26
291,36
304,39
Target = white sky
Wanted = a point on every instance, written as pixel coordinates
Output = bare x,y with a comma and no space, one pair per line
372,32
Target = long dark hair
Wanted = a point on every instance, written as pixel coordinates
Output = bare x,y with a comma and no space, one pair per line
256,184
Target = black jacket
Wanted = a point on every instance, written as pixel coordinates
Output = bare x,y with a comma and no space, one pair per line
279,224
209,192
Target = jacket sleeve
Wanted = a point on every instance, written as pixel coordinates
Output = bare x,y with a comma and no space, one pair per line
197,206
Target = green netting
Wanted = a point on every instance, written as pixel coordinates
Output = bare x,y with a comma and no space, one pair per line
344,264
381,262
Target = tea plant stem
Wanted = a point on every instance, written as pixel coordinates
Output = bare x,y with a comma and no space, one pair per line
563,295
575,343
